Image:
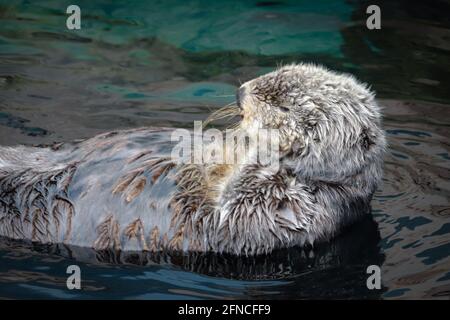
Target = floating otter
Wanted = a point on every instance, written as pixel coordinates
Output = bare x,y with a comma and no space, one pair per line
122,190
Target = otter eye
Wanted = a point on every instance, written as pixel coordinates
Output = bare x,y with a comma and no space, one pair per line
284,109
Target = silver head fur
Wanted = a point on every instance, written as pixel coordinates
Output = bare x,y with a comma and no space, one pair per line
329,123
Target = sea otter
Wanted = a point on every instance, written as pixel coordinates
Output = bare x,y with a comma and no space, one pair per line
122,190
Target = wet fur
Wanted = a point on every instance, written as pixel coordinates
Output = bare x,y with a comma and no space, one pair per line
121,191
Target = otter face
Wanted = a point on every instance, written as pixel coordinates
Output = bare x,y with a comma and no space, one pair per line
329,124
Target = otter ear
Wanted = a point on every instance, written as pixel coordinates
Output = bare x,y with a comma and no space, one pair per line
366,138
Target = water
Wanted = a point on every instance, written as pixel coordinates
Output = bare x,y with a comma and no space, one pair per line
137,63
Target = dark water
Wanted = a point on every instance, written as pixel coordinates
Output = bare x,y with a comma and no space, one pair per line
167,63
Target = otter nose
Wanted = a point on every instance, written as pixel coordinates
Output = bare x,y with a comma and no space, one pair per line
239,96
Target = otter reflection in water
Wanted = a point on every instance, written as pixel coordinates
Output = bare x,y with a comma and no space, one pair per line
122,191
339,266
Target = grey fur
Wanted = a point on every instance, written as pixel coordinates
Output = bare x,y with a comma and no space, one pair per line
119,190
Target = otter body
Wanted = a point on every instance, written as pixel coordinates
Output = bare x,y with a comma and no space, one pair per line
123,191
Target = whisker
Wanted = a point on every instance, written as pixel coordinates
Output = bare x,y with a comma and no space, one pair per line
228,111
234,126
225,95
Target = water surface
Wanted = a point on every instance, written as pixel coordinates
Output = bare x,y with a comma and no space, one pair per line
168,63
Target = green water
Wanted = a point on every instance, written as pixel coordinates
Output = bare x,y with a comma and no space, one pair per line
168,63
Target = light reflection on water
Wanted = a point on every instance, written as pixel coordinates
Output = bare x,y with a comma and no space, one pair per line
135,65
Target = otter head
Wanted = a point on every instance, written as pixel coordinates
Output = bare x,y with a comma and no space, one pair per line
329,123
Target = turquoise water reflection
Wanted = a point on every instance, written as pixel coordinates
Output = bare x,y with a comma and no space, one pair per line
168,63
